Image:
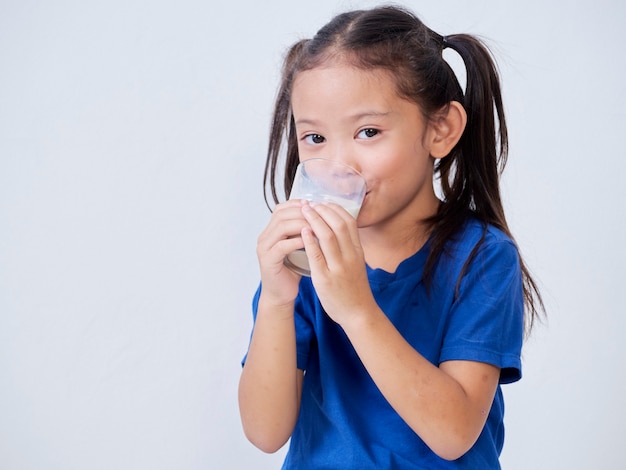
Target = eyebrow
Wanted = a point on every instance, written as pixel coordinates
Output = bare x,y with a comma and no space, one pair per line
371,114
354,117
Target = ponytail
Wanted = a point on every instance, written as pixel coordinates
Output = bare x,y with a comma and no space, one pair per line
470,175
484,145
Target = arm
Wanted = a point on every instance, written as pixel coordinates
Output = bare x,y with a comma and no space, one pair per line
447,406
270,383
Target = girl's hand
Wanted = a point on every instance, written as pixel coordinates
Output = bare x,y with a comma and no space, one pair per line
337,262
279,238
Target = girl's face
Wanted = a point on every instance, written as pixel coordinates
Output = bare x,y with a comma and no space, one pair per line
357,117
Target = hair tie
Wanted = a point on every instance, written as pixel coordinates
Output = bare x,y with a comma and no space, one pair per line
444,42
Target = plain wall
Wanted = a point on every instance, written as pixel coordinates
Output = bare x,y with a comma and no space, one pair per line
132,142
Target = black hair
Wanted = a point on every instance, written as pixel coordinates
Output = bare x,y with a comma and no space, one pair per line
394,39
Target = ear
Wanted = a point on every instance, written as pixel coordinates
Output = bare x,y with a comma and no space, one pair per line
447,129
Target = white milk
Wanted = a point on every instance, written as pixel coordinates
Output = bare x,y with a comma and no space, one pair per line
351,206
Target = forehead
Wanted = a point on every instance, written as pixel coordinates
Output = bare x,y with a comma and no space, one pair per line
339,71
342,82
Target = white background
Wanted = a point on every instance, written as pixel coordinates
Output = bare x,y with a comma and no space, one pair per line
132,144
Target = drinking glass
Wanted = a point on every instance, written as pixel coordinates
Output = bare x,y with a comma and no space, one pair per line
323,180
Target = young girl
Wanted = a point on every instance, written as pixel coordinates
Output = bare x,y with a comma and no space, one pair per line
392,353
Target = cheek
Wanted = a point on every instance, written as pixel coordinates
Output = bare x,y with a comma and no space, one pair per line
389,169
398,163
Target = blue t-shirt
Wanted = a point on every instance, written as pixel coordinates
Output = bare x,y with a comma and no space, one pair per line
345,422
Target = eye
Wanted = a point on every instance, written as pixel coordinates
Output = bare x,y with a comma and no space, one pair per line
314,139
368,133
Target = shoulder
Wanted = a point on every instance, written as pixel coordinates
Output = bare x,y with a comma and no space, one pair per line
476,236
477,246
474,230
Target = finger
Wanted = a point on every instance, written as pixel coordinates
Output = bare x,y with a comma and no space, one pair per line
326,238
291,203
282,234
317,260
286,221
342,224
335,242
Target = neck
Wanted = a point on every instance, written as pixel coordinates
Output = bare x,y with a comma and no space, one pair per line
386,248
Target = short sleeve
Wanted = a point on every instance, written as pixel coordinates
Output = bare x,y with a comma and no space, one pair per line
305,332
303,326
486,320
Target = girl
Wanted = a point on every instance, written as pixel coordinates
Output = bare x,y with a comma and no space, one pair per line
392,353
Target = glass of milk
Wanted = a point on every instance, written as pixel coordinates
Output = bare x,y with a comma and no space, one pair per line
322,180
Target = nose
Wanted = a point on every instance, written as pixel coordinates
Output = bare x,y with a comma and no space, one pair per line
343,154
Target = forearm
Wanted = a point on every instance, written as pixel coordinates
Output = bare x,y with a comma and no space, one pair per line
269,388
444,409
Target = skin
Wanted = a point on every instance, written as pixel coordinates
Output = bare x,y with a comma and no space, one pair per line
356,116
